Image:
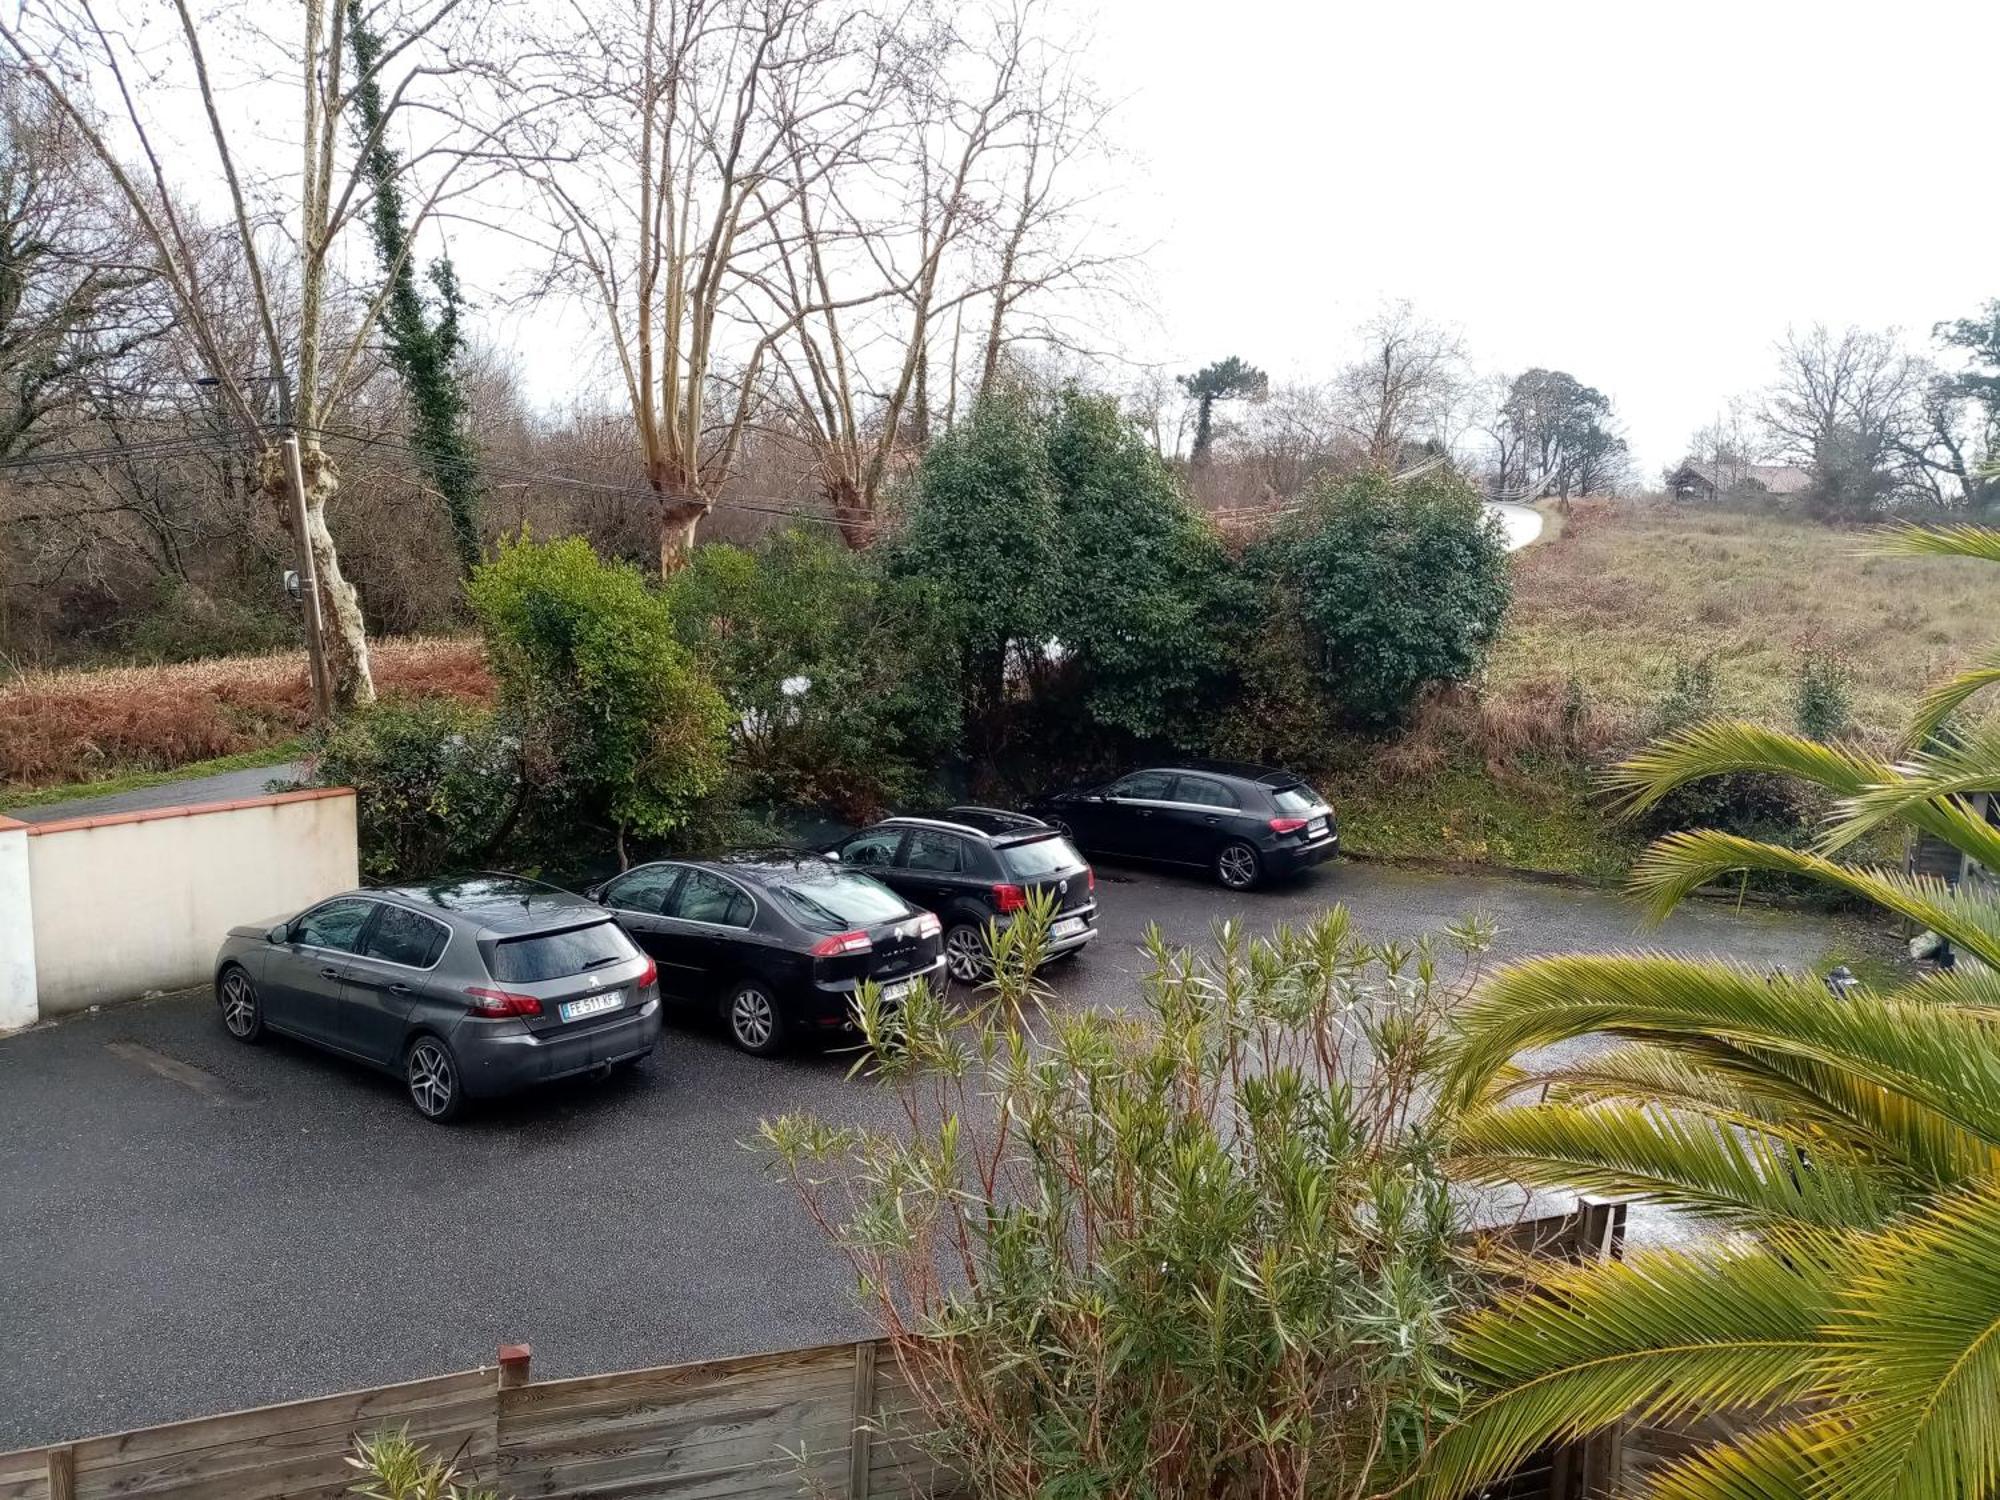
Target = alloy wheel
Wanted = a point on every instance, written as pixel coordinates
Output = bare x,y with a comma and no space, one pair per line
433,1085
965,954
239,1005
1237,866
751,1019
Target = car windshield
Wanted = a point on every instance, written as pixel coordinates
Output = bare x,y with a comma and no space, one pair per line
1039,857
837,902
1296,798
557,955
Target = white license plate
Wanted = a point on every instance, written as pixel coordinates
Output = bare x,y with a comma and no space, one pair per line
592,1005
900,990
1067,927
1316,828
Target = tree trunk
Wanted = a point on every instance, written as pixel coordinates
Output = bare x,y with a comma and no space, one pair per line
678,520
852,512
342,631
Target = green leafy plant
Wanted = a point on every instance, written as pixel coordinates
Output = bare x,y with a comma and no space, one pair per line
841,688
1822,692
395,1468
1202,1247
1691,695
1400,587
615,722
438,784
1852,1325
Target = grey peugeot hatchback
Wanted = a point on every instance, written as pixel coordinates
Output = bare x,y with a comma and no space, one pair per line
466,988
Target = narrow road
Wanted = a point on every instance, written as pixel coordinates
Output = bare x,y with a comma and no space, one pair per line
191,1225
225,786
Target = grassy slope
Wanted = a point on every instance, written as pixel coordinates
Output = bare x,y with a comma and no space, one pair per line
1615,597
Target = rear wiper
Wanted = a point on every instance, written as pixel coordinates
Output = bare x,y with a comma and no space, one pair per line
598,963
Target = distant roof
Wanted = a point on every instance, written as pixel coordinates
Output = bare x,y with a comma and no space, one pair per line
1774,479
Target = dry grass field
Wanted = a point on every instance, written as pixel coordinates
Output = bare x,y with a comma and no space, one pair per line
75,726
1628,588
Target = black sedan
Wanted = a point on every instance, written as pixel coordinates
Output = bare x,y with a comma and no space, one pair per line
775,945
1241,823
466,987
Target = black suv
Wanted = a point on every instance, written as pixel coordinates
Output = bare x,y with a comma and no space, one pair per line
974,865
1241,823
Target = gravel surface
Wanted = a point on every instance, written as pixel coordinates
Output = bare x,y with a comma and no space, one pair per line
189,1225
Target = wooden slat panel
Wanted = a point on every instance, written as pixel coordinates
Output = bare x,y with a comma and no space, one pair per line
669,1379
642,1474
524,1424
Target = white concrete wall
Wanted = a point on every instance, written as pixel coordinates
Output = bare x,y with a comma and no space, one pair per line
124,905
17,929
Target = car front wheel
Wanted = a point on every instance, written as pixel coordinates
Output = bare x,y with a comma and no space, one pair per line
242,1011
1237,866
431,1073
754,1022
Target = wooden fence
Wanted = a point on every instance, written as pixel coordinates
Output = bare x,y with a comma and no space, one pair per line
838,1422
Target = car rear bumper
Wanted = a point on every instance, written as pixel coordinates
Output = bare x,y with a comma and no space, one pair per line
499,1062
830,1007
1289,859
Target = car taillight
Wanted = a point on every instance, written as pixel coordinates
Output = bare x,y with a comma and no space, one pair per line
928,925
648,974
497,1004
1287,825
1009,897
1091,876
842,942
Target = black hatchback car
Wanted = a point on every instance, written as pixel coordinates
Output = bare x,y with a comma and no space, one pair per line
1241,823
776,945
976,865
467,987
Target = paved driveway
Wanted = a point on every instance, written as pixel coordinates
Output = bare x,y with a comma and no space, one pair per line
188,1225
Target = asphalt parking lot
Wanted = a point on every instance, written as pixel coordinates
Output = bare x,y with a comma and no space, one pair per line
188,1225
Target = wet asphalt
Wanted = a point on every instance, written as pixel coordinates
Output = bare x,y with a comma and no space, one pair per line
189,1225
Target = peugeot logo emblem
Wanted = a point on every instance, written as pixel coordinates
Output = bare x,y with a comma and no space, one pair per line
593,980
1062,887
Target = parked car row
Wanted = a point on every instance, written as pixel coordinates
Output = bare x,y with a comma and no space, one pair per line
475,986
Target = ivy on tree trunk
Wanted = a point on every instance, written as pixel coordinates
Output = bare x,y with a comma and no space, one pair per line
423,343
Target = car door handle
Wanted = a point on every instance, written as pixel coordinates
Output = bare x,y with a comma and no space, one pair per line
329,973
1213,820
400,988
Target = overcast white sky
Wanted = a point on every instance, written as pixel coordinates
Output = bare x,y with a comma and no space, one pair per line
1642,194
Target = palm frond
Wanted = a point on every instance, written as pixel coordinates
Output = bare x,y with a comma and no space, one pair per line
1779,1462
1949,696
1680,863
1722,746
1745,1178
1658,1337
1960,540
1915,1344
1948,1061
1924,791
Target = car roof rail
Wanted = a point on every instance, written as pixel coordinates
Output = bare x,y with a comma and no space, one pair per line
908,819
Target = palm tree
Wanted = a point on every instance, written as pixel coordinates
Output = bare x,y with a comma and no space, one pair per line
1851,1316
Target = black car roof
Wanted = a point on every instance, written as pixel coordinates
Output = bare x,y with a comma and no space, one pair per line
502,905
1242,770
765,865
993,824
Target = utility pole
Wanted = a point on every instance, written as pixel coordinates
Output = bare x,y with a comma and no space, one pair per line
322,694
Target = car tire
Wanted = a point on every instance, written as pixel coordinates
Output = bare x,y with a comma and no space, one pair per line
242,1007
1237,866
966,958
431,1076
755,1025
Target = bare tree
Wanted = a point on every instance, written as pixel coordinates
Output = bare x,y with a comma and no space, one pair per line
1407,388
286,233
1846,406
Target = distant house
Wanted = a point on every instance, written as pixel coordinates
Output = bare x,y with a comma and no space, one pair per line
1731,479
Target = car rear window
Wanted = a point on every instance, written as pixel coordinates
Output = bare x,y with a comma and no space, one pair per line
557,955
835,903
1039,857
1296,798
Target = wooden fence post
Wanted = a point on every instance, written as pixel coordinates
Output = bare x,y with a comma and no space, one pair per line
861,1438
514,1361
62,1473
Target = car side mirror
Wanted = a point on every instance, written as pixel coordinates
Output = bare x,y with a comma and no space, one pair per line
595,892
279,935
